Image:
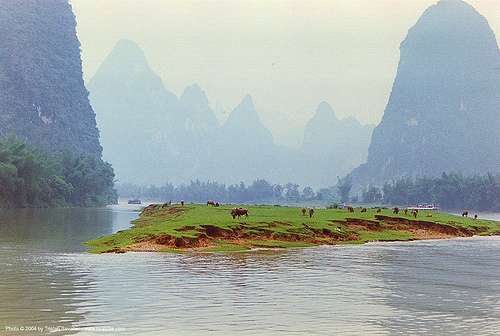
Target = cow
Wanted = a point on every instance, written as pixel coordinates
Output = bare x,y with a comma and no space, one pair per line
475,216
363,210
311,212
465,214
396,210
210,203
217,205
182,202
378,210
406,211
304,211
414,213
239,212
428,215
350,208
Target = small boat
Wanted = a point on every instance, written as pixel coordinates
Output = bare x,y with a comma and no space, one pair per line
135,201
424,206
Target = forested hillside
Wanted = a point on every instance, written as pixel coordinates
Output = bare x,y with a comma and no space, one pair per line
32,177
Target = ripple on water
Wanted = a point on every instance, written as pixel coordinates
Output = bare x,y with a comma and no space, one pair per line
424,287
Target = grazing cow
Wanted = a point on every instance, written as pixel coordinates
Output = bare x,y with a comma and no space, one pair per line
406,211
465,214
363,210
304,211
311,212
239,212
210,203
396,210
378,209
475,216
164,205
414,213
182,202
217,205
350,208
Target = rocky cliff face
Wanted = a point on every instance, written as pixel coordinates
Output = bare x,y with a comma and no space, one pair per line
444,110
42,94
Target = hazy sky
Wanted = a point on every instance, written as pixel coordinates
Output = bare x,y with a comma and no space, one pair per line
288,54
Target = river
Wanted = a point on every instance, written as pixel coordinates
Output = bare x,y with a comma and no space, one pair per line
50,285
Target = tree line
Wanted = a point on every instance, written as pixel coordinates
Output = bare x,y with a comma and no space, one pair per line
450,191
33,177
259,191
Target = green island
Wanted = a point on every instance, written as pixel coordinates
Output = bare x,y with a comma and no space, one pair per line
195,227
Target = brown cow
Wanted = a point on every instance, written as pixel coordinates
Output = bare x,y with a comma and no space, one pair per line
217,205
239,212
414,213
350,208
304,211
475,216
406,211
210,203
311,212
428,215
182,202
363,210
465,214
378,209
396,210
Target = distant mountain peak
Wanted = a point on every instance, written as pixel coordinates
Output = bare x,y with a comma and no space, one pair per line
244,122
126,55
244,112
248,99
194,93
324,112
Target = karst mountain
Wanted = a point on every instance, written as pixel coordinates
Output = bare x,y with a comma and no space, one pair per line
43,98
443,114
152,137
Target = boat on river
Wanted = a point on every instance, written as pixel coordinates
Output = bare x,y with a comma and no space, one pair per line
424,206
135,201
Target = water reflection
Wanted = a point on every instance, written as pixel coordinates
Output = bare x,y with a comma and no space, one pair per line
59,230
36,292
38,286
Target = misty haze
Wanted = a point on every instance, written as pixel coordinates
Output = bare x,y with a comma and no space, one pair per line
249,167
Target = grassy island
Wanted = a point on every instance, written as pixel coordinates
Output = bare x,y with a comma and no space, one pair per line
176,228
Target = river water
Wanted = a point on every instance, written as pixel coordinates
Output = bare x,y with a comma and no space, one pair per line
50,285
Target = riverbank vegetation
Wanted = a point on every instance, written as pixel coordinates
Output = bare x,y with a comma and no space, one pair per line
450,191
176,228
32,177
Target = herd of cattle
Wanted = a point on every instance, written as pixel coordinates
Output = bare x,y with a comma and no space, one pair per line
244,212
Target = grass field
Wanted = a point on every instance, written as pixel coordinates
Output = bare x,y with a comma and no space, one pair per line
178,228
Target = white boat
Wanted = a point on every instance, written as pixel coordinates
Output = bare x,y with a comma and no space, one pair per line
424,206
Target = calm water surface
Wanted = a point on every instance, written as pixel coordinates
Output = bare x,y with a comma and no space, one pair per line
48,282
